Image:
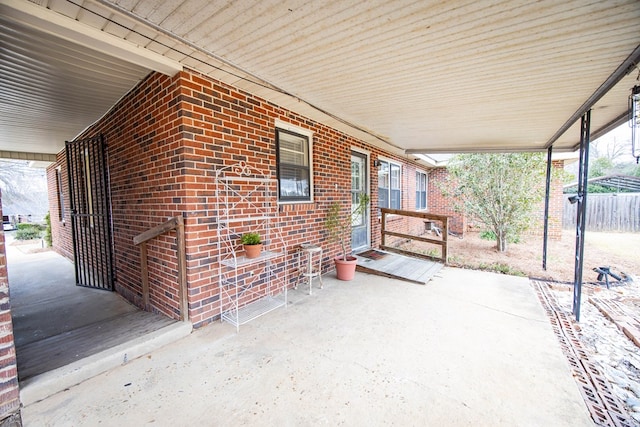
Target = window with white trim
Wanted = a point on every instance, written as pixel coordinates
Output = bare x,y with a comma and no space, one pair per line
293,156
389,185
421,190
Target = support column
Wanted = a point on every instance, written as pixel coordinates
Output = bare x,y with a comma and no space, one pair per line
547,195
581,199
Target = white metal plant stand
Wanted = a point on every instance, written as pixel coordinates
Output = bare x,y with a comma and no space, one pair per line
313,266
246,201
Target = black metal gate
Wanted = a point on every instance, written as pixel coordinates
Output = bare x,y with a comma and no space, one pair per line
90,212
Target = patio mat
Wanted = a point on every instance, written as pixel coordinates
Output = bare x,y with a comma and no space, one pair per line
372,254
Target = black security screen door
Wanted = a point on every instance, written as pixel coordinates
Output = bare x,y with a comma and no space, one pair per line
90,212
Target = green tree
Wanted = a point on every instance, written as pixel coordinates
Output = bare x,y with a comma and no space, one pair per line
631,169
500,191
601,166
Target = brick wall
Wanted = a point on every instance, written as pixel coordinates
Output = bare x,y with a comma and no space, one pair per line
59,215
440,204
230,126
556,205
146,166
9,393
165,140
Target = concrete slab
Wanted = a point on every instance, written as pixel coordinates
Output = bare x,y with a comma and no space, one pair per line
56,380
45,301
65,334
469,348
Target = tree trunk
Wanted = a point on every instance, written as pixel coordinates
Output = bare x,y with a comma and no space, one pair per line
501,241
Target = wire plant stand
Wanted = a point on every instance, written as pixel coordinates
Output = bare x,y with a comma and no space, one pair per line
246,201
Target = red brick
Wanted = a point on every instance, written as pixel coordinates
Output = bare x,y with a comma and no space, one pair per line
9,392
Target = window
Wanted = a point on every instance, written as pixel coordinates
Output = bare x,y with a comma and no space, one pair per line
389,186
60,194
293,152
421,190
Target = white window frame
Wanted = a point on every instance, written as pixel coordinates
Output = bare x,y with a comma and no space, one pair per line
419,207
391,165
288,127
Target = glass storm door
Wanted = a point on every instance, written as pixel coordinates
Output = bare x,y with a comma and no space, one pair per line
360,225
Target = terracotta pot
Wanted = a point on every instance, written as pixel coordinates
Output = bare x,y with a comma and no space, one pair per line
252,251
345,269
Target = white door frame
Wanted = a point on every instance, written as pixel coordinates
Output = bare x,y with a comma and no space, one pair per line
367,189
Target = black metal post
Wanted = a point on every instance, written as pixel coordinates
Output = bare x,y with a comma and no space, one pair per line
546,210
583,174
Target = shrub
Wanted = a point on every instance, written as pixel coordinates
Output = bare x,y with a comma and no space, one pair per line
28,231
497,267
28,234
47,233
490,235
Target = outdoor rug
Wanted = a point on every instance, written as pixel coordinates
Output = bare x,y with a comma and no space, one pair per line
372,254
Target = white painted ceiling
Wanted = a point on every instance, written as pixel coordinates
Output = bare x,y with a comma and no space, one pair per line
410,76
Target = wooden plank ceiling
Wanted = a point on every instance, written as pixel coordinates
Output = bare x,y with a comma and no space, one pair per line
460,75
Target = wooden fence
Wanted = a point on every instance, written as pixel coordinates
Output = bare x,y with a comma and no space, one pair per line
606,212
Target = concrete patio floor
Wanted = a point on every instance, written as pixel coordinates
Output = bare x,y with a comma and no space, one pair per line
65,334
468,348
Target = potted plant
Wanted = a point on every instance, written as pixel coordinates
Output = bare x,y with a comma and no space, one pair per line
252,244
339,228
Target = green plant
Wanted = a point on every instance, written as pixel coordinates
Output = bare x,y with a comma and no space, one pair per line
455,259
47,232
252,238
30,226
490,235
499,191
339,225
501,268
28,231
432,252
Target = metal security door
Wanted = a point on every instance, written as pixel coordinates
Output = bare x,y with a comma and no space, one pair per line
359,179
90,212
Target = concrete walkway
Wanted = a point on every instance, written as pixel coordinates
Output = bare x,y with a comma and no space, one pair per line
469,348
65,334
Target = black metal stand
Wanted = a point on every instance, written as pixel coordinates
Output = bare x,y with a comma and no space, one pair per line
604,273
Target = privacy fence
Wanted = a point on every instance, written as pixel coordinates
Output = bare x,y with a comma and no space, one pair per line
606,212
